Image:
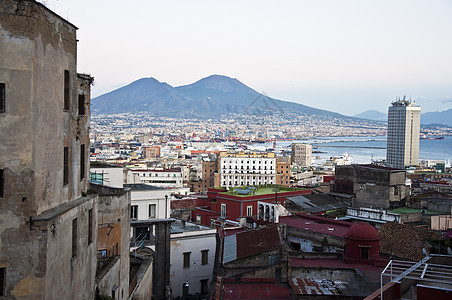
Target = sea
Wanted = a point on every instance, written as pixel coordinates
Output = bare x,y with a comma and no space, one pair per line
365,149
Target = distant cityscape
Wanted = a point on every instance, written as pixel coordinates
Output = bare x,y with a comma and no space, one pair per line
233,200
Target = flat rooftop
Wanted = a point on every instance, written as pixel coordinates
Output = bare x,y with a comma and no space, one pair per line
143,187
179,226
259,190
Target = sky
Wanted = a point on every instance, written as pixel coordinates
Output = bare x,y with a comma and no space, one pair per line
345,56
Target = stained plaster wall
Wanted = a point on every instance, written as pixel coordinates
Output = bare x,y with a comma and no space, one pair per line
114,213
109,278
69,277
261,265
374,187
36,47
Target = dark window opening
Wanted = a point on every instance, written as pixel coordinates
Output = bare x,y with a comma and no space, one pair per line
81,105
364,252
187,259
204,286
82,162
2,183
67,89
66,166
90,226
2,98
74,237
204,257
295,246
134,211
185,287
2,281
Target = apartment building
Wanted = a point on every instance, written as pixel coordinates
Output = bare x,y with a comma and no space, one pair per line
404,121
172,177
301,155
242,169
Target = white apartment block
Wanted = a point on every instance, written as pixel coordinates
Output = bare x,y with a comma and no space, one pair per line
151,202
162,178
241,169
301,155
192,258
404,121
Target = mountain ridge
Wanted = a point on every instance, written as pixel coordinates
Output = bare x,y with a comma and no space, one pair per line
209,97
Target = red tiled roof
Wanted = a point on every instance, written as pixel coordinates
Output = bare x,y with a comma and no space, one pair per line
317,224
405,241
257,241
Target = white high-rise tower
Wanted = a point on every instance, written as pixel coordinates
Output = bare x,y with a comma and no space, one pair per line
404,121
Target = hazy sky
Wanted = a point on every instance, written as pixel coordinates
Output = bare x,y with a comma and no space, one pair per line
340,55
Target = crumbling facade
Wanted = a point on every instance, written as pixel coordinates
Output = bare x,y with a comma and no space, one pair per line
373,186
48,227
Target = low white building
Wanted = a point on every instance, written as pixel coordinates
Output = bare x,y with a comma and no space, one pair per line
192,258
164,178
152,202
112,177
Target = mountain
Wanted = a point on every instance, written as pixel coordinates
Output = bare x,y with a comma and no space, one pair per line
372,115
209,97
438,117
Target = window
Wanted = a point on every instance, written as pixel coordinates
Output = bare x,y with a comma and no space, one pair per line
81,105
185,287
204,257
82,162
152,210
223,210
2,281
74,237
90,226
66,166
204,286
2,183
187,259
249,210
364,252
134,212
2,98
67,90
198,218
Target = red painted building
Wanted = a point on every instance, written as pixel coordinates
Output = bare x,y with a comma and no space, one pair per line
231,207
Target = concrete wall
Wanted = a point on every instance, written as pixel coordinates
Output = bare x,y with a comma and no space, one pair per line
108,279
143,290
263,265
114,227
37,210
374,187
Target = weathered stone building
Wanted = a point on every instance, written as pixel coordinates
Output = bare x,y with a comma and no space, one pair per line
48,220
372,186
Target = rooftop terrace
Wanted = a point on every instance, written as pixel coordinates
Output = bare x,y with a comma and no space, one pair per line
259,190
